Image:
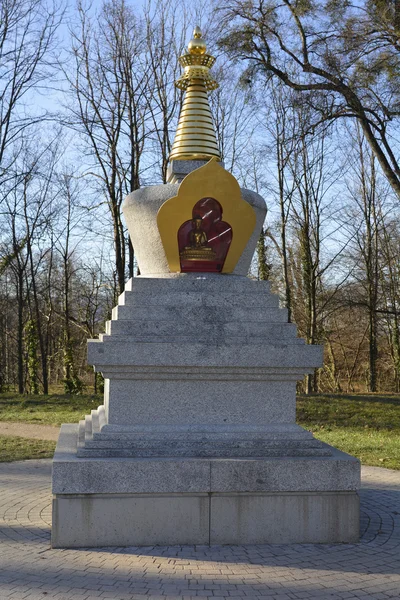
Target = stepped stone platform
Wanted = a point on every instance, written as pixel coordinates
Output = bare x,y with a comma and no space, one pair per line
196,442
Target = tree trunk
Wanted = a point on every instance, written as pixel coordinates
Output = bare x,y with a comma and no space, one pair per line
280,165
20,332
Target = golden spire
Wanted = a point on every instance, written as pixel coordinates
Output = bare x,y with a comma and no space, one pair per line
195,137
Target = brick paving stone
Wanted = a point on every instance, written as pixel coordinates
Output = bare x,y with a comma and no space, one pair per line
31,570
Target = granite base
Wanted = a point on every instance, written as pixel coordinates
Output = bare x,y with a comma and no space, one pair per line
97,520
164,501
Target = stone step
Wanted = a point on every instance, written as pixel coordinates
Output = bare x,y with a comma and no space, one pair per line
290,360
98,417
196,451
209,299
88,426
200,329
289,432
211,339
197,282
91,425
203,313
81,433
154,441
282,440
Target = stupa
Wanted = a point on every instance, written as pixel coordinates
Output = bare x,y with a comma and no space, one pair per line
196,442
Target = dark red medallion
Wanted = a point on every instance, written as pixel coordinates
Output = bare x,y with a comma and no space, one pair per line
204,240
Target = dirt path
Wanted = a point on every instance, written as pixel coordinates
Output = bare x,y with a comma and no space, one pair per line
27,430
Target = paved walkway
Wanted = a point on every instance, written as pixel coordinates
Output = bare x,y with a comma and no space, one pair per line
28,430
31,570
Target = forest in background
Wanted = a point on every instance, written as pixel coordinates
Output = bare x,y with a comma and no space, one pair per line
306,115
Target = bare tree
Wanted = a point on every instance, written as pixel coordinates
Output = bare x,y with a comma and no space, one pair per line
66,244
16,260
166,30
364,224
27,35
27,211
345,54
38,206
389,269
234,121
283,143
109,85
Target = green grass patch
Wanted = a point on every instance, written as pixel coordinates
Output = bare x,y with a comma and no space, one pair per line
371,410
19,448
366,426
374,448
54,409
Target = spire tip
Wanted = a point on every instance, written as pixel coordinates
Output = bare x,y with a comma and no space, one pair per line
197,45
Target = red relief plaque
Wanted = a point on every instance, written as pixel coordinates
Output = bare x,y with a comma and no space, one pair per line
204,240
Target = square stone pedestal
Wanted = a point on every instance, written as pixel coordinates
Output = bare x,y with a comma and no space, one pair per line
196,442
167,501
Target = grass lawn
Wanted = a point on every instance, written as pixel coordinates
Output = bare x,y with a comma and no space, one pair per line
367,426
18,448
54,409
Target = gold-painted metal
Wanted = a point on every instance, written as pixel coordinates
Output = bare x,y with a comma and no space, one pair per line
195,137
198,250
209,181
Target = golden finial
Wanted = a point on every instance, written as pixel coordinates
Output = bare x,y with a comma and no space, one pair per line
197,63
197,45
195,137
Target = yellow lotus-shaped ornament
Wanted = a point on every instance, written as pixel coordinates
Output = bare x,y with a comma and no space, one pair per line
213,184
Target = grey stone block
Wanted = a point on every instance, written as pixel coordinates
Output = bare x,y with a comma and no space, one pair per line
142,520
123,502
178,169
276,355
338,472
209,299
154,312
285,518
196,329
196,299
187,442
73,475
206,372
213,338
96,520
199,412
197,282
209,402
276,432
